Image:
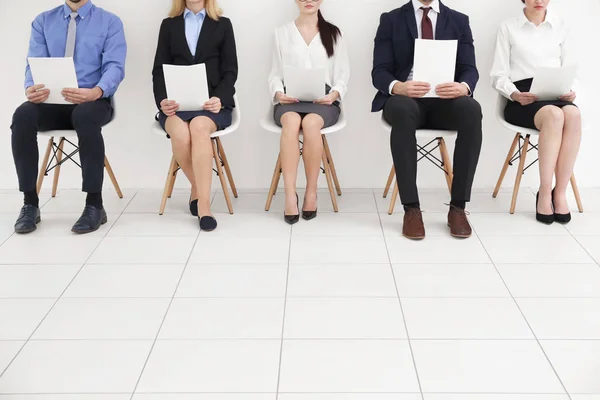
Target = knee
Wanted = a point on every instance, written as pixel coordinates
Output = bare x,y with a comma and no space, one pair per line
401,109
291,121
467,108
25,113
82,115
553,116
201,128
312,124
571,114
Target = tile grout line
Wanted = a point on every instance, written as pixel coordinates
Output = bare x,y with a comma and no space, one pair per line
287,278
399,300
66,288
13,233
165,316
597,262
526,321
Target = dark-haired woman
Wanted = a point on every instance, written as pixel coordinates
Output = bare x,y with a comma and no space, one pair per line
539,38
308,42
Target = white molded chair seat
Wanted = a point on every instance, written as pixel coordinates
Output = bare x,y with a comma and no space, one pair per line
218,154
444,164
268,124
58,153
522,134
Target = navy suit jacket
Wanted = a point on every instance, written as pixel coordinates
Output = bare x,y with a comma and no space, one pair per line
393,56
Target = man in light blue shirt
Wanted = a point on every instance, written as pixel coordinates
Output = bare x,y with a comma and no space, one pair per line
96,41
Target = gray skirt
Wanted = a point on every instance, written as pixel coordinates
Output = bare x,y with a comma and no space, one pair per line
330,114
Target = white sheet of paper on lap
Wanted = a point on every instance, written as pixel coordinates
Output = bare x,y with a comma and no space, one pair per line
187,85
552,83
435,62
56,74
304,84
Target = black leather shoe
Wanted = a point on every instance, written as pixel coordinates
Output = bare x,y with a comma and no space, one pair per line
208,223
292,219
543,218
560,218
194,207
308,215
90,221
28,219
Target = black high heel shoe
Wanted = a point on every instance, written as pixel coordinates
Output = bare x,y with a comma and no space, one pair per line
543,218
292,219
308,215
560,218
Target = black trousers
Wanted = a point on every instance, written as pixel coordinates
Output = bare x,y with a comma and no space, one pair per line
406,115
86,119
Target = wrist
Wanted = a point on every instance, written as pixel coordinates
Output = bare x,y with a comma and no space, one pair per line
99,92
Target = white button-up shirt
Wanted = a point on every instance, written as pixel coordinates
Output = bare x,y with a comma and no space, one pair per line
521,47
291,50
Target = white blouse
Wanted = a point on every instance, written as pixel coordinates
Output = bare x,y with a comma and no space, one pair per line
291,50
521,47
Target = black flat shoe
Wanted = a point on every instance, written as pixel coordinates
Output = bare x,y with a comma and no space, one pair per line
28,219
560,218
292,219
308,215
543,218
194,207
90,221
208,224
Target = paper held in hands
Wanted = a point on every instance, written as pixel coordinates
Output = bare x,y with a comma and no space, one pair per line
304,84
56,74
435,62
187,85
552,83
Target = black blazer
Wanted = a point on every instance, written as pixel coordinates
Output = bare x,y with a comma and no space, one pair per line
216,48
394,52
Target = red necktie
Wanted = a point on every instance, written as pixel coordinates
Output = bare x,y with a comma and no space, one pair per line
426,25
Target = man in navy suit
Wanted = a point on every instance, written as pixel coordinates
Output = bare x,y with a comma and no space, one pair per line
403,105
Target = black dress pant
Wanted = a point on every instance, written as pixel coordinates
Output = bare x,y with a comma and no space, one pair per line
406,115
86,119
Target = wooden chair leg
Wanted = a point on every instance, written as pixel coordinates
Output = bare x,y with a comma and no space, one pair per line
274,183
329,182
168,184
576,193
221,176
513,204
112,177
447,163
59,157
511,151
389,182
44,165
172,187
331,165
394,199
227,169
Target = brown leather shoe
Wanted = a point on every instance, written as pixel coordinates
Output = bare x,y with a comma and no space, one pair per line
413,227
458,223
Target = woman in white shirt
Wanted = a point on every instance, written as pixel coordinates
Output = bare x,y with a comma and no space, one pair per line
308,42
538,38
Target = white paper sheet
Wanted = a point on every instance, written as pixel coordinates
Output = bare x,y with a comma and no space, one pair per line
56,74
551,83
304,84
435,62
187,85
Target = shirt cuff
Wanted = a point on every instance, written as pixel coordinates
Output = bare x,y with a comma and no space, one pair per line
105,91
392,87
468,88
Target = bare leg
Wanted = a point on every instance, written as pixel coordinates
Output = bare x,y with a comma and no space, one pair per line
181,142
290,157
202,160
312,155
550,121
568,155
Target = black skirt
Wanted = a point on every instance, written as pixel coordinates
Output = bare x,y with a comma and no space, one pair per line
524,116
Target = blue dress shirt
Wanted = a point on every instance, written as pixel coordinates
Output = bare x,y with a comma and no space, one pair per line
100,46
193,26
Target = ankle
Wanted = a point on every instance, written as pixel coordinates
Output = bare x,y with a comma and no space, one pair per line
94,199
31,198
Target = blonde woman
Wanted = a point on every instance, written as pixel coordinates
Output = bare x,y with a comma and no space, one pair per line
197,33
308,42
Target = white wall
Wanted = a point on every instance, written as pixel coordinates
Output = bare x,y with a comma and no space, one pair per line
140,158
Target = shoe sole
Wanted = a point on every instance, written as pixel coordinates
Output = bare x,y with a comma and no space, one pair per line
460,236
308,219
104,221
25,231
414,237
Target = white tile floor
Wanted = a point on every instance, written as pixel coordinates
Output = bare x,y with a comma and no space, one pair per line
339,308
